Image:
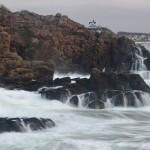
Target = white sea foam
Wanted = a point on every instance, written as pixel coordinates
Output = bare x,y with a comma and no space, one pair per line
76,128
139,67
71,75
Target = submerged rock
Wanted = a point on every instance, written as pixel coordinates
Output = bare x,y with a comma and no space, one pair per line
24,124
74,100
96,104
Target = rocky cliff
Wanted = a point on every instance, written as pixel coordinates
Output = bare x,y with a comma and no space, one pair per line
17,72
68,45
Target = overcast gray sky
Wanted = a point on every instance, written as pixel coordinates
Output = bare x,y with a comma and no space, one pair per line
117,15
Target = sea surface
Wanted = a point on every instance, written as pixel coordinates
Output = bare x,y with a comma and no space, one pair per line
145,44
76,128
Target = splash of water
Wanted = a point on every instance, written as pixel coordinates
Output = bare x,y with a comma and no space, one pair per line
139,62
139,67
126,99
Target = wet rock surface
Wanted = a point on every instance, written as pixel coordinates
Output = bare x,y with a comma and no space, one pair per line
95,91
24,124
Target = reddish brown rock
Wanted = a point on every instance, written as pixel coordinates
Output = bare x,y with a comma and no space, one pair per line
19,73
57,40
65,43
4,42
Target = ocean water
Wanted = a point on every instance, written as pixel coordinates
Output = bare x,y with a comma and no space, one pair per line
145,44
76,128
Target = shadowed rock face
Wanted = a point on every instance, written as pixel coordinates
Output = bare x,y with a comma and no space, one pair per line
24,124
146,54
68,45
97,81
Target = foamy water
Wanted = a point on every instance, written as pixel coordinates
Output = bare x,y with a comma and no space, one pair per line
139,67
76,129
71,75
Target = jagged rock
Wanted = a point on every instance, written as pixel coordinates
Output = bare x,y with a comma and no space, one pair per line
81,86
22,124
84,98
89,100
111,83
146,54
95,91
95,72
96,104
128,99
58,15
18,73
118,100
147,62
92,96
59,93
121,52
74,100
137,83
66,44
62,81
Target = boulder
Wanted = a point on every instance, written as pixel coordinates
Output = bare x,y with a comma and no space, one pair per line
121,53
24,124
59,93
62,81
88,100
114,81
129,99
96,104
74,100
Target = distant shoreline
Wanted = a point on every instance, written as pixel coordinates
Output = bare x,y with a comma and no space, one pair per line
142,41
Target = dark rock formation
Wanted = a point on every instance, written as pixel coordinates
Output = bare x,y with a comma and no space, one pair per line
22,124
74,100
146,54
96,104
89,100
113,81
105,81
60,94
62,81
95,91
121,54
